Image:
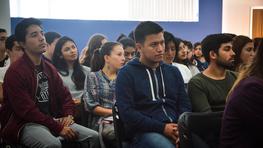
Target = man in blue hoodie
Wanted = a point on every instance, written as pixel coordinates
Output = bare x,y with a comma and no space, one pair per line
150,95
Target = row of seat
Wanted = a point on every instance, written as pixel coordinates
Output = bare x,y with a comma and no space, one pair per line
196,130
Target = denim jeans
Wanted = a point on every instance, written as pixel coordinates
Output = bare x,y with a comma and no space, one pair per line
38,136
152,140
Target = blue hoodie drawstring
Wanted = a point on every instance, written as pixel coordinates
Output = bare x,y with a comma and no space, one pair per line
164,93
151,84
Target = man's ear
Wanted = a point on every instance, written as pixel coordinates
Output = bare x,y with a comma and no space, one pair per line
139,46
212,55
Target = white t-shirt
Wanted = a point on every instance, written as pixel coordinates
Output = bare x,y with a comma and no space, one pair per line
2,73
185,72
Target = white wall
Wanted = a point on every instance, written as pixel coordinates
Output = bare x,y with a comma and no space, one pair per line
236,16
5,21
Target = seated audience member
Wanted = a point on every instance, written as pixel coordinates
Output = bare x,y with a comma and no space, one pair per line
189,49
121,36
231,35
94,43
4,60
199,57
208,90
191,64
100,87
169,54
51,38
243,115
181,56
129,48
14,52
73,75
181,52
150,94
244,49
37,109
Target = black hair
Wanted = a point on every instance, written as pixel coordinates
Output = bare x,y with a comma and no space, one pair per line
197,44
21,28
127,42
2,30
51,36
232,35
97,61
168,37
177,44
213,42
146,28
93,44
131,35
9,43
78,75
120,37
238,43
188,44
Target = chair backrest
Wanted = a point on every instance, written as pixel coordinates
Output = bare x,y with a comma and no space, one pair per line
200,130
118,127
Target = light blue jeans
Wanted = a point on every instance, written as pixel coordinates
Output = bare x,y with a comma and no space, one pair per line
38,136
152,140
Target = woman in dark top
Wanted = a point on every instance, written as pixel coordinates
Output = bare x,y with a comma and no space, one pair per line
243,115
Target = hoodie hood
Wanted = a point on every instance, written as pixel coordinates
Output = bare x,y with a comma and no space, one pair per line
148,98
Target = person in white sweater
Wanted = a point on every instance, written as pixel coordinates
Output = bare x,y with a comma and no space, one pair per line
169,55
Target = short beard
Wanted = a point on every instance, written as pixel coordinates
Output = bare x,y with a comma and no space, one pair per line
224,64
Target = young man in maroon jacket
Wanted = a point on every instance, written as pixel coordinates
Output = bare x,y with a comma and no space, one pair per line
37,109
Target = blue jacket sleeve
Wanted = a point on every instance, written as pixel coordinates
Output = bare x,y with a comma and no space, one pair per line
135,120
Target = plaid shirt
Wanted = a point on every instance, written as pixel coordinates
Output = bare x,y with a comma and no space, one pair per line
99,91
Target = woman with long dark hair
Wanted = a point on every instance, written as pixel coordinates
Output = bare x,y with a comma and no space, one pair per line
243,115
65,59
244,49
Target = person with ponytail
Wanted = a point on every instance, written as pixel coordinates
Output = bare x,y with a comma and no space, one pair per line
243,116
100,88
94,43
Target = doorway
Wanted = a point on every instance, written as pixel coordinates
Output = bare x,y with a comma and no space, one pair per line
256,22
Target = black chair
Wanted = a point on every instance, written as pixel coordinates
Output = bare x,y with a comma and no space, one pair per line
122,141
200,130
